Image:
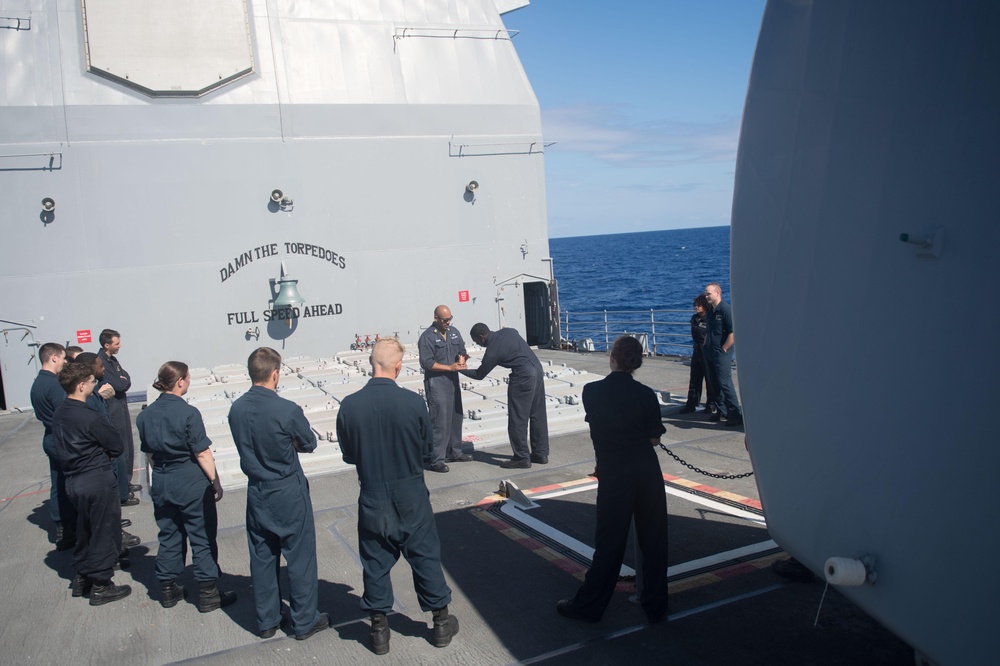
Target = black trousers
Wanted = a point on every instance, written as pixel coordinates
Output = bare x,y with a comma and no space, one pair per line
98,528
711,382
699,377
628,489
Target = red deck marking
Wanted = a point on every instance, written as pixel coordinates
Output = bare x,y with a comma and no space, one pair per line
33,492
709,490
562,562
735,570
543,489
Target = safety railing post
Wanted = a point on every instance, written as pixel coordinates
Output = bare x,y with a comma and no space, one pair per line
652,330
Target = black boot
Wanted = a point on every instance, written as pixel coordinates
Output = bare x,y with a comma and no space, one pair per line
104,591
209,597
81,585
445,626
129,540
380,633
171,593
65,536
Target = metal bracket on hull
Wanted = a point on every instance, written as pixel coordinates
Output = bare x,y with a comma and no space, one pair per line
453,33
32,162
12,23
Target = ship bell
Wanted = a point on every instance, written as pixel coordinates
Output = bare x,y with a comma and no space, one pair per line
286,295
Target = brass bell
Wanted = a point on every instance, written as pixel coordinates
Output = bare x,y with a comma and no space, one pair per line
287,296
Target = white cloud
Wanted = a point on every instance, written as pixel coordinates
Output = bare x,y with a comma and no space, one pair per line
609,135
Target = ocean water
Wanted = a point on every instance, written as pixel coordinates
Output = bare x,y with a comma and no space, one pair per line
659,270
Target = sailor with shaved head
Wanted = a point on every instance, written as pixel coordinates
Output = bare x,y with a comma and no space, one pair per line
719,342
384,430
442,355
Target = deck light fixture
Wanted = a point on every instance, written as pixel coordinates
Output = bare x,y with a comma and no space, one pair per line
48,205
470,191
279,199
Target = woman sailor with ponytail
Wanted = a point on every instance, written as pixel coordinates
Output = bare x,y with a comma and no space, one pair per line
185,488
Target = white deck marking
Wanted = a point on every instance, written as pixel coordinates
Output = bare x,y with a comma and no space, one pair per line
719,558
559,537
718,506
512,511
639,627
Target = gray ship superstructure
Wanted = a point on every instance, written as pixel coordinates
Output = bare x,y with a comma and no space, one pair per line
210,177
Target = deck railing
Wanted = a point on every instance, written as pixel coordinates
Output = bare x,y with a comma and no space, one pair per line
662,332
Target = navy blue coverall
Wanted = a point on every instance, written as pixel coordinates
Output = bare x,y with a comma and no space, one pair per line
267,429
85,445
525,390
385,431
624,416
46,396
121,382
442,390
719,363
172,434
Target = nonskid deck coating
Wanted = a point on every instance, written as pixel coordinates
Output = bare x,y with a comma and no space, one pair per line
503,593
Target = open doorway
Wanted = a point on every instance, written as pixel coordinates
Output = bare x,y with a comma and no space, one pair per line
537,314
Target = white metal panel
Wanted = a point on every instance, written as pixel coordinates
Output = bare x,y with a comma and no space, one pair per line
416,12
475,67
181,48
340,63
504,6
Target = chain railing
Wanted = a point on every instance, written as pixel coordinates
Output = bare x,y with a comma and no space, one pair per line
662,332
701,471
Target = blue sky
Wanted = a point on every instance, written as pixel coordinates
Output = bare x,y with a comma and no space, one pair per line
644,101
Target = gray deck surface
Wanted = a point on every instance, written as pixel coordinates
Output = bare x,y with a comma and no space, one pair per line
504,588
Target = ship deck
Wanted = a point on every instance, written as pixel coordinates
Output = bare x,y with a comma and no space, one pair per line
507,565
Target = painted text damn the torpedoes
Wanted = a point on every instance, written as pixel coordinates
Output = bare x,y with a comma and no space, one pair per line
280,314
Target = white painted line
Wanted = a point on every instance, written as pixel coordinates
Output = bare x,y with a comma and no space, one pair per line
577,646
719,558
568,542
564,539
631,630
718,506
724,602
